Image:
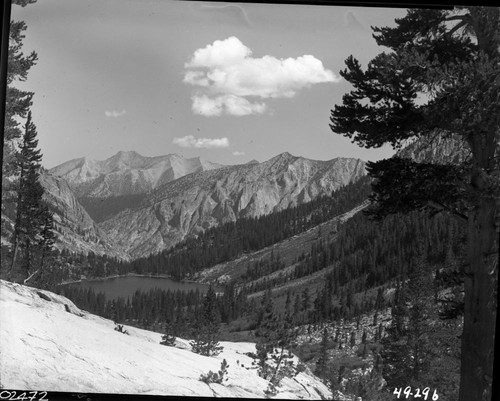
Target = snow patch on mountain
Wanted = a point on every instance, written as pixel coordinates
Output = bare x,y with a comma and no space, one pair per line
48,344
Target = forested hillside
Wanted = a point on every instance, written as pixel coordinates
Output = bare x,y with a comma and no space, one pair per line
369,273
230,240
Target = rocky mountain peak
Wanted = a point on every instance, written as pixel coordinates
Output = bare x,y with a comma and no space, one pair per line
285,156
126,173
204,199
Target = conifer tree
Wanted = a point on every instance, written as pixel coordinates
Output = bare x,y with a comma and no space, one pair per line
321,364
17,101
407,347
17,104
439,79
207,327
169,337
47,234
45,245
32,226
275,334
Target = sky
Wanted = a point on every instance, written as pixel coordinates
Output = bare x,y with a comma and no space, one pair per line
229,82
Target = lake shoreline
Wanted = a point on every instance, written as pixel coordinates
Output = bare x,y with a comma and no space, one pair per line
125,286
127,275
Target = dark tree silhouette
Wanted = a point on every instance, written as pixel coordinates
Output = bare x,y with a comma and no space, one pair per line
33,220
441,78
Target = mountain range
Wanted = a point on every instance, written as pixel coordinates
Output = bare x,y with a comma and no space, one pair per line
131,206
158,201
126,173
197,201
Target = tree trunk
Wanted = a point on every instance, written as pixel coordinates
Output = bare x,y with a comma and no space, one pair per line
481,281
14,257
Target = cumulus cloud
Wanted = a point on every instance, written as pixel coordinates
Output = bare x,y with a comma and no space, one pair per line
226,75
114,113
229,104
237,153
189,141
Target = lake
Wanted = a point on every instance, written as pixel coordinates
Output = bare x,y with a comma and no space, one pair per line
125,287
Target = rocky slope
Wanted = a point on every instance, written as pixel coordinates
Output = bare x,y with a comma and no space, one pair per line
441,149
201,200
75,229
126,173
48,344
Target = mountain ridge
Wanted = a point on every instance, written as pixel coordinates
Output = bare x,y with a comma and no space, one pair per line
77,231
126,173
204,199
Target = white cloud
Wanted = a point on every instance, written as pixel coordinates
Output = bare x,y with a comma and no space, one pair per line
226,73
114,113
190,141
236,153
222,52
230,104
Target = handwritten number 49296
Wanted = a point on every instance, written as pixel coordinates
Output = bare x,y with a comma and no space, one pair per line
407,392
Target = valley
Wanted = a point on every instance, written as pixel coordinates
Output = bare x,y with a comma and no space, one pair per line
285,240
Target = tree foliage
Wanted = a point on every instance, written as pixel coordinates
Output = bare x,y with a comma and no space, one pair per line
207,326
440,78
33,221
275,335
17,102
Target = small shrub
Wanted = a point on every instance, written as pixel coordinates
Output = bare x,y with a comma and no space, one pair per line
271,390
119,329
206,347
300,367
168,340
219,377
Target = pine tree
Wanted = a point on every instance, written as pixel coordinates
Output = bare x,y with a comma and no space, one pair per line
45,248
169,337
17,101
407,347
32,224
439,79
321,364
15,108
207,327
47,234
275,334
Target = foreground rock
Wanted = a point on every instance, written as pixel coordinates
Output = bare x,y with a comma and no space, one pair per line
47,343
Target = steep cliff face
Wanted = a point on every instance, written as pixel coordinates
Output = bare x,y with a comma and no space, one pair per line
76,231
205,199
126,173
